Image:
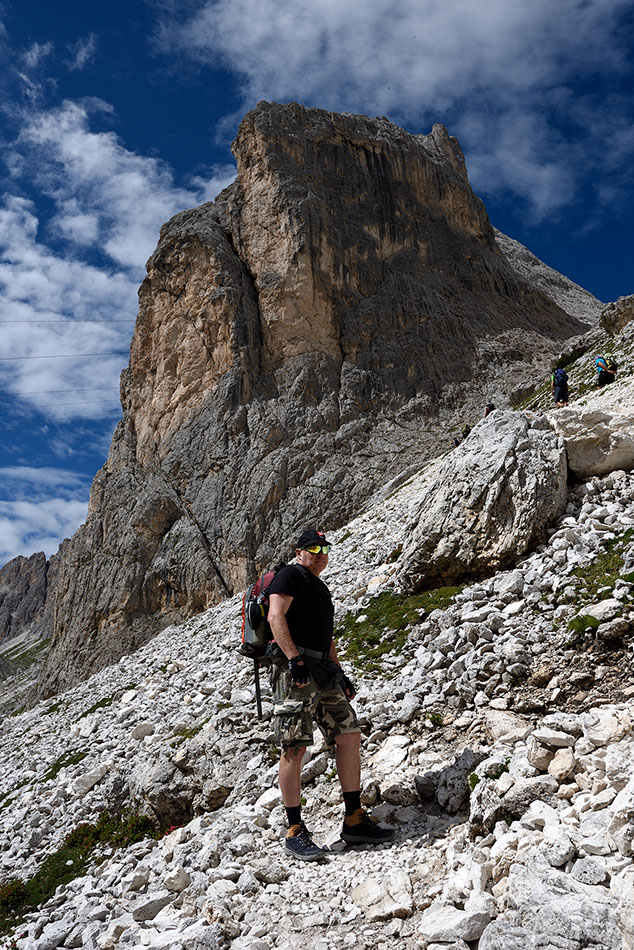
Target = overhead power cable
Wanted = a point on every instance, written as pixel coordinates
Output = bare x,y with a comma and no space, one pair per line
89,402
69,322
48,392
62,356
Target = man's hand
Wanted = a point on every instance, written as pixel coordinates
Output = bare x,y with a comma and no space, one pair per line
299,671
348,687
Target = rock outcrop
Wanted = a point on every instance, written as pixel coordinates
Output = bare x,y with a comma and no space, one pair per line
299,342
569,296
598,441
486,502
27,598
616,315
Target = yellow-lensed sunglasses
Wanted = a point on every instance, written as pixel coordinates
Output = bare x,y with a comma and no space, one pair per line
318,549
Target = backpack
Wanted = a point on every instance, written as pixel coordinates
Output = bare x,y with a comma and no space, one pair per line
611,364
560,376
256,630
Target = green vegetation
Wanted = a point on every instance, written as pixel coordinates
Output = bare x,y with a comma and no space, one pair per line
579,628
499,770
388,618
605,569
188,732
472,780
395,554
18,897
5,797
100,704
68,758
594,581
28,656
435,719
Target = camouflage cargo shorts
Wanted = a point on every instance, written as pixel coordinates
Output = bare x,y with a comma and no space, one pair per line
296,708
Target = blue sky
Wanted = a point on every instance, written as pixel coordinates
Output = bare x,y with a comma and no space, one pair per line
115,116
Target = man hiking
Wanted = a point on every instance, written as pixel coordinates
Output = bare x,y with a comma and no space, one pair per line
606,368
559,387
310,685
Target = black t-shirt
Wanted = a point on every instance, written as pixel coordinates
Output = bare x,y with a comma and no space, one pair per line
311,613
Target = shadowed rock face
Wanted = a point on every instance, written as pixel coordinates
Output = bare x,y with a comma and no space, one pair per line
27,599
299,342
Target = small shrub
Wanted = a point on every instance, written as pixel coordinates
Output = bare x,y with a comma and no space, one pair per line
69,758
499,770
472,780
100,704
435,718
12,895
579,625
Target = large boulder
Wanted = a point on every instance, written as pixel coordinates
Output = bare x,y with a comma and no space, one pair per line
487,502
617,314
598,441
546,908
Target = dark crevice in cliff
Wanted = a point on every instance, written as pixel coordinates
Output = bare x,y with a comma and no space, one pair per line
185,507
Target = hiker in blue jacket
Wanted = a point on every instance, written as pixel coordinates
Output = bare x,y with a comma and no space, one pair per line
606,368
311,686
559,387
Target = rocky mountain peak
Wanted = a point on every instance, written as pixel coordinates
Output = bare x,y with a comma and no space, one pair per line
310,335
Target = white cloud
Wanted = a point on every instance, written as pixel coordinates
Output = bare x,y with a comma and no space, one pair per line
36,54
102,190
31,477
82,52
109,202
39,507
499,74
30,526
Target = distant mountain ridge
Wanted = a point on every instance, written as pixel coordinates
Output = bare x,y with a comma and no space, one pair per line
302,340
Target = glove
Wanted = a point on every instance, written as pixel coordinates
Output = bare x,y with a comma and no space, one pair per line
300,674
348,687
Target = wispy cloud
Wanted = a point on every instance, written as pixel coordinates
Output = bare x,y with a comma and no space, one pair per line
82,52
499,74
36,54
30,526
39,507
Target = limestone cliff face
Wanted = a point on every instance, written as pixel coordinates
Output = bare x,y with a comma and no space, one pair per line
27,598
299,342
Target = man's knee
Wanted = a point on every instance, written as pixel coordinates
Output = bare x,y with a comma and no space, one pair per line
293,755
348,740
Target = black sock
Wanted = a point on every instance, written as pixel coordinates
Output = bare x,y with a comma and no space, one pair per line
294,815
352,801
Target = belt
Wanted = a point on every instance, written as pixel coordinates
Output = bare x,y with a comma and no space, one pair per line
315,654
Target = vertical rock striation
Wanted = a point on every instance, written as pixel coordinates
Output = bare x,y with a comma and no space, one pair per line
299,342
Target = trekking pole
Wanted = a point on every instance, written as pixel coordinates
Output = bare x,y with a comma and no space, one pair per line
258,695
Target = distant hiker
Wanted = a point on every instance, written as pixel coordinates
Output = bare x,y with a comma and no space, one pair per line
487,409
559,387
606,368
308,684
464,432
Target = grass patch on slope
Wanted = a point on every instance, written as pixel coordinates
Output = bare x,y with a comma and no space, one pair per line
387,619
71,860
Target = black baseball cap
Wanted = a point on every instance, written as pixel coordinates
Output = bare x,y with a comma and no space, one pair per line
311,536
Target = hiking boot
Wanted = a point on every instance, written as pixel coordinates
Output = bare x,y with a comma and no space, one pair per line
299,843
359,828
